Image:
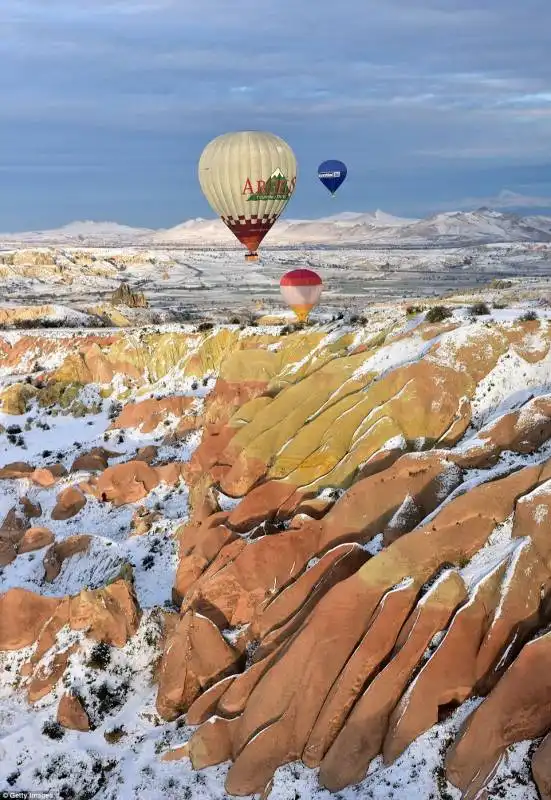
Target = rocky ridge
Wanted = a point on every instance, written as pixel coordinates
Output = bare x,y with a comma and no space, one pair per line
327,545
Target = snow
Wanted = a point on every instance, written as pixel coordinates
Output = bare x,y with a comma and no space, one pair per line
153,556
394,443
227,503
394,355
498,548
186,280
62,432
403,513
466,335
520,546
507,463
508,385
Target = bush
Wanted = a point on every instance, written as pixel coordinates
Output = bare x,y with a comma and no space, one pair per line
411,310
148,562
437,314
205,326
109,699
114,410
499,284
100,656
479,309
53,730
499,304
528,316
115,735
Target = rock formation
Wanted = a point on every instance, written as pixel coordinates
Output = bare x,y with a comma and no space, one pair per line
357,542
124,296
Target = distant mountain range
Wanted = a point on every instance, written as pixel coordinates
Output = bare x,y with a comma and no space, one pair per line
484,226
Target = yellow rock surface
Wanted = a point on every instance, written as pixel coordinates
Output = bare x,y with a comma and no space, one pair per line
114,315
16,397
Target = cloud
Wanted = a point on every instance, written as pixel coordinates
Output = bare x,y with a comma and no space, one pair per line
442,88
506,199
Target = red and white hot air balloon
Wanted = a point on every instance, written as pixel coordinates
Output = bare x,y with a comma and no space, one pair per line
301,289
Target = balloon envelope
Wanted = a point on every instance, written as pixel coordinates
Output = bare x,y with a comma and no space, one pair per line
248,178
332,173
301,289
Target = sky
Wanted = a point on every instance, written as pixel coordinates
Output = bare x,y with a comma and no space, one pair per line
106,105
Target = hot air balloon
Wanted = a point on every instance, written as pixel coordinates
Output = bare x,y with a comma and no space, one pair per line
301,289
248,178
332,174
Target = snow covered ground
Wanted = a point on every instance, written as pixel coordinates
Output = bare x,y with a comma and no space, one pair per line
196,282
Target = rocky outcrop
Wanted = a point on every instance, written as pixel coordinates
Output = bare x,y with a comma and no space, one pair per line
343,642
8,553
450,675
30,509
517,709
241,577
132,481
149,414
110,615
58,553
142,521
15,398
22,617
18,469
13,527
71,714
35,539
124,296
195,657
69,502
97,459
48,476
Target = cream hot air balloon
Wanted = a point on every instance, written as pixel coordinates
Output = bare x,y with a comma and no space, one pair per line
301,289
248,178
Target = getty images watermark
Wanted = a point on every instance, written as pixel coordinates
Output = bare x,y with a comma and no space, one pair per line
20,795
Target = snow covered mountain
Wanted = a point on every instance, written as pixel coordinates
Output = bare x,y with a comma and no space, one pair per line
85,233
347,228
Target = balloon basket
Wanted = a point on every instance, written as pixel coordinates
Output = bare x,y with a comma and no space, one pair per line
251,257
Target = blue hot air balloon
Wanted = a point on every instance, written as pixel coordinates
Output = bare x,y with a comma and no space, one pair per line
332,173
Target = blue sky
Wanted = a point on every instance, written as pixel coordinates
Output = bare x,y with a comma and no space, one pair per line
433,104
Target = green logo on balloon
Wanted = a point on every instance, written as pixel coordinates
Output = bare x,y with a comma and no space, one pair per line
277,187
